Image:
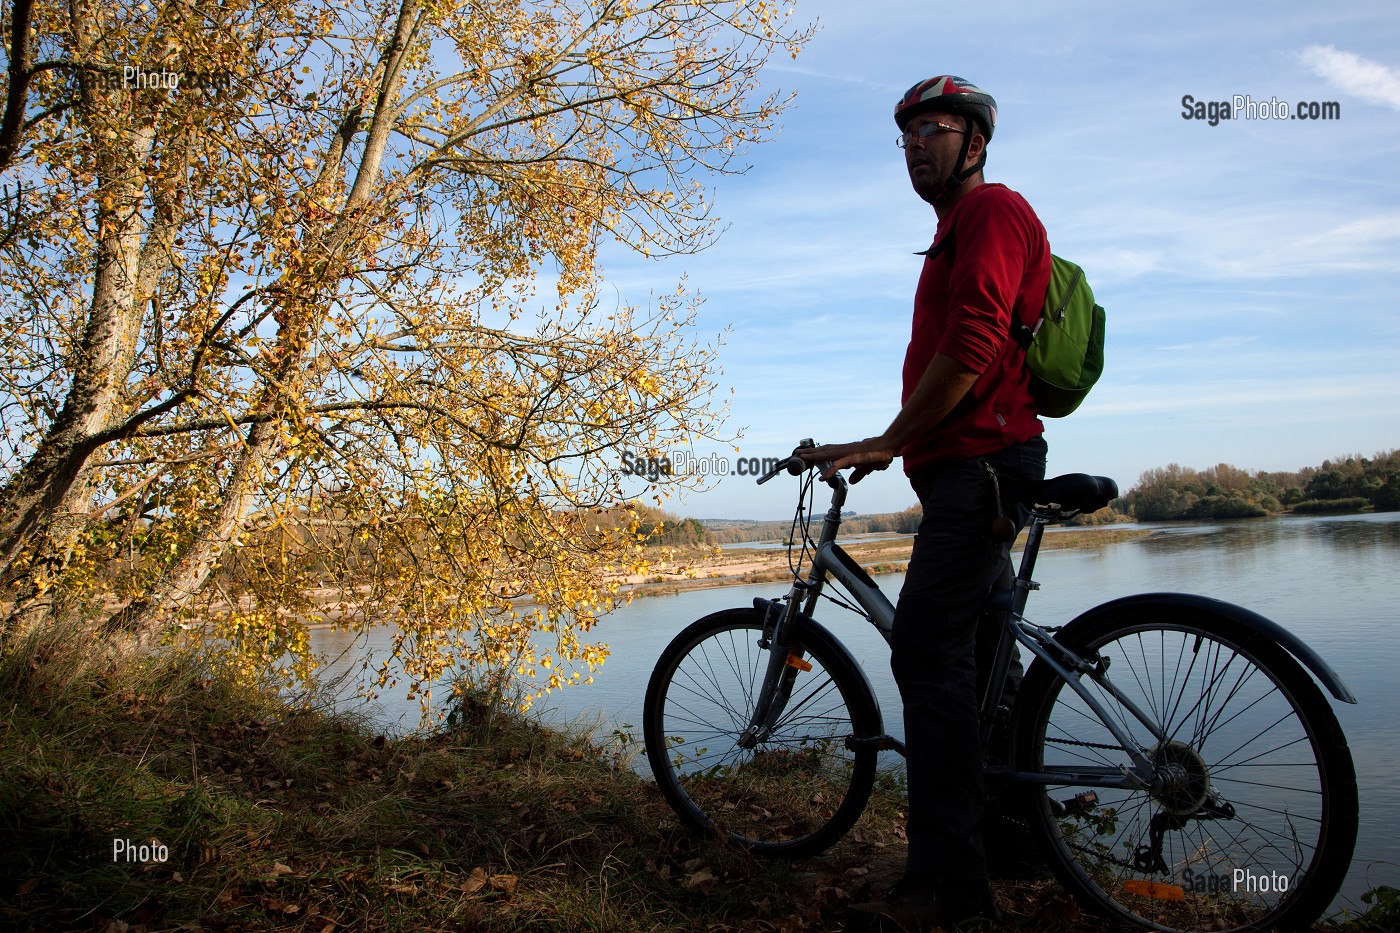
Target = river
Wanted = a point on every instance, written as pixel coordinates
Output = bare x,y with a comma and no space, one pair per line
1333,580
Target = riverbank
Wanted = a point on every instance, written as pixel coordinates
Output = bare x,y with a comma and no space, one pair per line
143,796
147,796
700,569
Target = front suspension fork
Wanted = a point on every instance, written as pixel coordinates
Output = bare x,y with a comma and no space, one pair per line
784,662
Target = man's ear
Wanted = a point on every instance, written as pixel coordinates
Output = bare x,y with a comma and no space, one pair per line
976,149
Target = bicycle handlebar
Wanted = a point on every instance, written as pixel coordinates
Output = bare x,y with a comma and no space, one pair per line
795,465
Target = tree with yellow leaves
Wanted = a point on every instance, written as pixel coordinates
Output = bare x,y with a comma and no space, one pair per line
275,349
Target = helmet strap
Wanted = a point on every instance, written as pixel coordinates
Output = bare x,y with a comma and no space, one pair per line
960,176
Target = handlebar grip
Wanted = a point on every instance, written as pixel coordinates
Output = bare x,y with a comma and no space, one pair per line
793,465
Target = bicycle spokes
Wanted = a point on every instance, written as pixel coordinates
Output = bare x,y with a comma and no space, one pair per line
755,744
1249,816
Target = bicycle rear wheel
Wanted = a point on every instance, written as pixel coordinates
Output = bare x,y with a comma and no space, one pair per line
1251,822
799,790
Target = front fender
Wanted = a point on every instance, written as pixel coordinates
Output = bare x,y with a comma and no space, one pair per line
1246,617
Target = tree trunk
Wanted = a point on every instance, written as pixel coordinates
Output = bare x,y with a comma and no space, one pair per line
184,579
35,528
43,506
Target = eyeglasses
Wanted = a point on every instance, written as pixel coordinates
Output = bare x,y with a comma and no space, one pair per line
924,131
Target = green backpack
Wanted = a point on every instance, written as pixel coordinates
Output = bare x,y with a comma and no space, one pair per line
1064,350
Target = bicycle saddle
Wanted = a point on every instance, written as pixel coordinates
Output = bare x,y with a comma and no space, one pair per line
1073,492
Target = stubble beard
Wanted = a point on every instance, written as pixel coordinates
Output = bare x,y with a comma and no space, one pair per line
928,183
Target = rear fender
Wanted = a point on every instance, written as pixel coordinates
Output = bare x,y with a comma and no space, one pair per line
1248,618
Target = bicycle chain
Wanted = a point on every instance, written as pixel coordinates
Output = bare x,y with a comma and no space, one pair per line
1155,830
1023,825
1112,748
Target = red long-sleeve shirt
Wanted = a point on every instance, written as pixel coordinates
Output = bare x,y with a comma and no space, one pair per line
997,262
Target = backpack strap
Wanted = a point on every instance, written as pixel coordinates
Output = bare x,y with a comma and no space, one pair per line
1019,332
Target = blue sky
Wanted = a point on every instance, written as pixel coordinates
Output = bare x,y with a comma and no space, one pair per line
1250,270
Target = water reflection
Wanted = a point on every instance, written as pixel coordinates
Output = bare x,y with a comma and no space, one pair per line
1357,532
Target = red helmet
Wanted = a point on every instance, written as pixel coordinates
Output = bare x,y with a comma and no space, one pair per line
948,94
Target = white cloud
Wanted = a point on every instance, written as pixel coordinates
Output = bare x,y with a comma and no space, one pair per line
1368,80
1243,400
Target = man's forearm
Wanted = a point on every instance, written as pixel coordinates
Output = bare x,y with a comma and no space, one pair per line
940,388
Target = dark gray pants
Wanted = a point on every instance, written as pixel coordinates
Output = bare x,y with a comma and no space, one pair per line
954,566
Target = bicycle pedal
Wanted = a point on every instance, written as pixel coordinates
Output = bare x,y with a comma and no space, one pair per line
881,743
1076,804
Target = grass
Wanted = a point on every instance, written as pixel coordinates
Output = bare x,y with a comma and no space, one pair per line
275,817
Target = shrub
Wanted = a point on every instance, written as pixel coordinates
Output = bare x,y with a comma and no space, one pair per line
1314,506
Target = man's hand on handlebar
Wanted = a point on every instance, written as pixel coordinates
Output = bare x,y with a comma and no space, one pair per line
867,456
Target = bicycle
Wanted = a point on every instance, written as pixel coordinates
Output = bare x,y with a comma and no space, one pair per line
1206,784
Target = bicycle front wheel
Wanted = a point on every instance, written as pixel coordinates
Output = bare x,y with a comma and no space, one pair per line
1251,820
795,792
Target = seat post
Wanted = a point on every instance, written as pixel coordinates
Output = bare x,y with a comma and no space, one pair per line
1035,533
1001,662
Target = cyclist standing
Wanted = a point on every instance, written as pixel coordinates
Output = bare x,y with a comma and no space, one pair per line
966,406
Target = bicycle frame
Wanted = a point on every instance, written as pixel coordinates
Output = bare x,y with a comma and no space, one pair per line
831,560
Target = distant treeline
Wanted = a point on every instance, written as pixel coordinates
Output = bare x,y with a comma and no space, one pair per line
656,526
673,531
1347,484
905,522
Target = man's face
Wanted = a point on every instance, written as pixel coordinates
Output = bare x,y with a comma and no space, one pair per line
931,159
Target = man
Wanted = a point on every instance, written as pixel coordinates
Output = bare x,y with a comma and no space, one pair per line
966,406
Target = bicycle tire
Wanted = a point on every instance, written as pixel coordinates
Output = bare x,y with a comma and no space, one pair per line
1244,726
795,794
